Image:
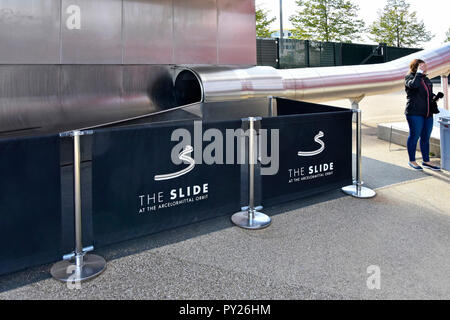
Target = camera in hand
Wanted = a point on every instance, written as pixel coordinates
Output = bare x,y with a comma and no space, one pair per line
438,96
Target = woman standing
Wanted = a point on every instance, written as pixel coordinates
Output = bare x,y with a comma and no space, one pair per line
419,91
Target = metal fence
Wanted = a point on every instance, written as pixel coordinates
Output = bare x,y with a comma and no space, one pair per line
305,53
267,52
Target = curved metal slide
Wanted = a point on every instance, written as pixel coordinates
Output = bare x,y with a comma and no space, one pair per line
197,84
209,83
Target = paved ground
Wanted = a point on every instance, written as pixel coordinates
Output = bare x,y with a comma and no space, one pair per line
316,248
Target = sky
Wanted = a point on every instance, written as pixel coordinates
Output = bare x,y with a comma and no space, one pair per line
434,13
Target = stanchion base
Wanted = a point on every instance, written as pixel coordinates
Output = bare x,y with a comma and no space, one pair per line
260,220
362,192
66,270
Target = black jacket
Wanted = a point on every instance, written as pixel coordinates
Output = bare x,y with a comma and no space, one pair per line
419,95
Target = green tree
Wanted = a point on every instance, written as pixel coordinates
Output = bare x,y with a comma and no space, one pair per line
262,23
327,20
448,35
397,26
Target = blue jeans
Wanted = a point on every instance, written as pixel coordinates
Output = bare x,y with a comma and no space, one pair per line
419,127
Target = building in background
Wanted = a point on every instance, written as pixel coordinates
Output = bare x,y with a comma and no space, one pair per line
287,34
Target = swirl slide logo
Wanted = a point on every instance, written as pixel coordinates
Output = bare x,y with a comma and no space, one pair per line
318,151
184,157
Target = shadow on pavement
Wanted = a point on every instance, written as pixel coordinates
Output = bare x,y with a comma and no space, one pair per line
377,174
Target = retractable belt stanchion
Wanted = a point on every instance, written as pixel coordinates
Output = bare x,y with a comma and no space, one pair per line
78,266
356,189
250,217
272,106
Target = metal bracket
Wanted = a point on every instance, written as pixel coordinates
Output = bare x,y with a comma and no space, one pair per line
76,133
252,119
70,256
246,208
356,100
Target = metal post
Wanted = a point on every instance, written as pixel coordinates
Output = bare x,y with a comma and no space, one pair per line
355,105
272,106
281,28
78,266
306,49
356,189
250,217
77,192
444,83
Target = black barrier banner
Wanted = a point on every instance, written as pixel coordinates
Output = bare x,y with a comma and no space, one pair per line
143,182
30,202
315,151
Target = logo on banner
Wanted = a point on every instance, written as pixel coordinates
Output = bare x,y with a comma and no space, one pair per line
316,152
223,147
313,171
178,196
183,156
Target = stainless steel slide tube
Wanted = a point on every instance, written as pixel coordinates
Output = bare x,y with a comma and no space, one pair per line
228,83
